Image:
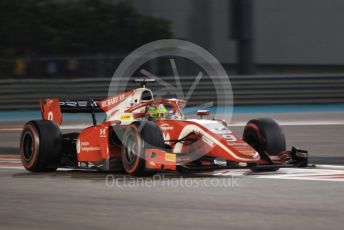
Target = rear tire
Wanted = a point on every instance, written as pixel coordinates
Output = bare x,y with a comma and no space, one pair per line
138,137
265,135
41,146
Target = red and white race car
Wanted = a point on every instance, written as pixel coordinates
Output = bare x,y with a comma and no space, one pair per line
142,135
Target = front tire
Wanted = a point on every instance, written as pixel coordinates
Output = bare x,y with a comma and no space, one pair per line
41,146
266,136
138,137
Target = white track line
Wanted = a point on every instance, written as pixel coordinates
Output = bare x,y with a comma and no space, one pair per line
305,174
317,168
10,129
297,123
334,167
11,167
308,174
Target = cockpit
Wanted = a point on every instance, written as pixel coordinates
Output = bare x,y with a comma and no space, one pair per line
147,95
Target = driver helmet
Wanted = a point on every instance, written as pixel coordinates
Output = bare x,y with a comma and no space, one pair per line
157,112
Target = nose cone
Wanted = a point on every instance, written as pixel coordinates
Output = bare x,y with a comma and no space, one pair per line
241,149
252,153
225,143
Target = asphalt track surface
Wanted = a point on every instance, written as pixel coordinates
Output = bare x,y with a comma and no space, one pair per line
291,199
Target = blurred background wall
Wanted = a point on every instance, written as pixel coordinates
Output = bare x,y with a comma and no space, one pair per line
287,36
293,50
290,35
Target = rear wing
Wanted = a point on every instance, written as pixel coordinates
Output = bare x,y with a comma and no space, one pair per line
53,108
80,106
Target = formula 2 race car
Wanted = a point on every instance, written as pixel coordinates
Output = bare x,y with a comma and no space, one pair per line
142,135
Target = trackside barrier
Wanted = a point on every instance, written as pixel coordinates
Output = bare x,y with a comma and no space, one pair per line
248,90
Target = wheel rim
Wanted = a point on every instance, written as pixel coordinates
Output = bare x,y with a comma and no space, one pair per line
131,151
28,146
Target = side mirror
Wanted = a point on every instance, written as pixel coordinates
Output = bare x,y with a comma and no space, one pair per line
202,113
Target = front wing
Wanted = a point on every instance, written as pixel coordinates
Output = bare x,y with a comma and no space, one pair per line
162,160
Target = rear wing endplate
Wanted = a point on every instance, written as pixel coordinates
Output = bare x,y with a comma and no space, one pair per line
53,108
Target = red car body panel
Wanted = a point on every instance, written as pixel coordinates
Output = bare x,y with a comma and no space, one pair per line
211,138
